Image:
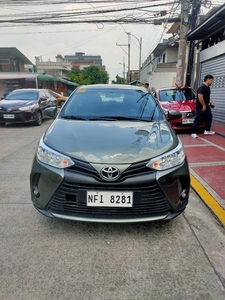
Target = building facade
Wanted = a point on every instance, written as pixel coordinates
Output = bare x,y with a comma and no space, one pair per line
81,60
57,68
209,37
159,69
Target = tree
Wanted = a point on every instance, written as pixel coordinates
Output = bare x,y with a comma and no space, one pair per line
91,75
119,80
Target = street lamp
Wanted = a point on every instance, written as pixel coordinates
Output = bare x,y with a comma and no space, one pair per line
123,67
139,44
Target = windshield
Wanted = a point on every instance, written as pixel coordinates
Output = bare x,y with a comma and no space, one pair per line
112,104
175,95
23,95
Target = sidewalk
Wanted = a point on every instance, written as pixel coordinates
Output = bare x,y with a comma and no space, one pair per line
206,157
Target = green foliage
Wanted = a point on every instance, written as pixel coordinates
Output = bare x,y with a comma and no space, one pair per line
119,80
91,75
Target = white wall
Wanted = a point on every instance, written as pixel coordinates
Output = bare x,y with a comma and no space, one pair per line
163,79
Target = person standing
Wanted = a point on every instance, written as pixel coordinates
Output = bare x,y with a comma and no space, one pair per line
203,107
146,85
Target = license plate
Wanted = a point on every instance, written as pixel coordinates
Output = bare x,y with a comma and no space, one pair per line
9,116
187,121
110,199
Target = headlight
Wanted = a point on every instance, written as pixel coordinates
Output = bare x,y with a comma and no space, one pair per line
26,108
51,157
171,159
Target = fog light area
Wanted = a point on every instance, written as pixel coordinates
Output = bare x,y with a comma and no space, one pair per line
36,192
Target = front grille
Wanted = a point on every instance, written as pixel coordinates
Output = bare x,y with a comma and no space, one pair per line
85,168
70,199
189,114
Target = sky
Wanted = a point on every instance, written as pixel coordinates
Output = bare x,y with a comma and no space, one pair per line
104,39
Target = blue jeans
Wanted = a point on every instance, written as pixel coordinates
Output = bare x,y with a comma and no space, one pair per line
200,117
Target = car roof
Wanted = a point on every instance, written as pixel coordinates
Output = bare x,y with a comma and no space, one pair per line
174,88
29,89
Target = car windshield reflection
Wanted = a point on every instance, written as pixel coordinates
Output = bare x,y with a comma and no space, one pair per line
112,104
23,95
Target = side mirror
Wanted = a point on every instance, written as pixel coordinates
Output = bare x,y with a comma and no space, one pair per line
50,112
43,98
173,115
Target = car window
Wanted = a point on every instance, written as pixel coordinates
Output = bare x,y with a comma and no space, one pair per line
112,102
175,95
54,94
48,95
44,94
23,95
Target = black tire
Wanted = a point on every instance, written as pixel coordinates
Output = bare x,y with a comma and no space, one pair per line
38,121
61,103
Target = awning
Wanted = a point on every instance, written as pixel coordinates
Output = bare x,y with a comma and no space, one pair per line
35,76
47,77
68,82
12,75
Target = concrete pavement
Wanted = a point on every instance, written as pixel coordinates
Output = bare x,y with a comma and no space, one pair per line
206,156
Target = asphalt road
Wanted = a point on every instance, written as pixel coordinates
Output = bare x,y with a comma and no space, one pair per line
43,258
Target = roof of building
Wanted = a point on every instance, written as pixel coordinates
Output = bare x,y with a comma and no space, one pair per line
213,23
16,53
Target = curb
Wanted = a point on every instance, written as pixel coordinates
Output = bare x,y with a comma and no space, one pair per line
208,199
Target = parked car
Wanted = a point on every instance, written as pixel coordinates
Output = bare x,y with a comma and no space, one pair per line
26,105
59,98
182,99
110,156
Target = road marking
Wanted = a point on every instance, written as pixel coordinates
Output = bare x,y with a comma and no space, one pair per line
208,199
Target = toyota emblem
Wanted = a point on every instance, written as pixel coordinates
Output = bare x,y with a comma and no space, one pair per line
110,173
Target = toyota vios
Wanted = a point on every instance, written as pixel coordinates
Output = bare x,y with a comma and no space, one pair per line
110,156
26,105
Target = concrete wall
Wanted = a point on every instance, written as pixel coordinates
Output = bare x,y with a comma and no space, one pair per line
163,79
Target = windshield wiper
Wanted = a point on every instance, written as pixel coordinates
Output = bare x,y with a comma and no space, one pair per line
152,116
73,117
111,118
127,118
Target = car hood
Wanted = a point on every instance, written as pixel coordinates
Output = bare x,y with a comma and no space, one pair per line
15,103
180,105
110,142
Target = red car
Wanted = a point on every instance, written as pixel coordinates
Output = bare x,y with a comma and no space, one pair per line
182,99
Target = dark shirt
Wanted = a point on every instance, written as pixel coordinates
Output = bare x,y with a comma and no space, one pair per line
205,91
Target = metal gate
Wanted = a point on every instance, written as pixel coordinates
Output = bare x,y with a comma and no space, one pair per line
216,68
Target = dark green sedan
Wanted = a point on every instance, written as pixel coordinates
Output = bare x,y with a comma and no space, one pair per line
110,156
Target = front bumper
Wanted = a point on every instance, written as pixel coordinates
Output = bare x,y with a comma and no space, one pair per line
62,194
17,117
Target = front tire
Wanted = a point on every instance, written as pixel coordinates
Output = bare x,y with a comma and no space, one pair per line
38,121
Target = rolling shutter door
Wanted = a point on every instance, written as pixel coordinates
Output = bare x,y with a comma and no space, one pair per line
216,68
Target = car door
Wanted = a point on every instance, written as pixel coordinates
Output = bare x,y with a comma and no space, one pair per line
44,100
52,98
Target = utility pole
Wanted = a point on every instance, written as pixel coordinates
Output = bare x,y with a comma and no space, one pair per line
139,74
184,26
128,73
128,45
139,45
124,68
196,5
